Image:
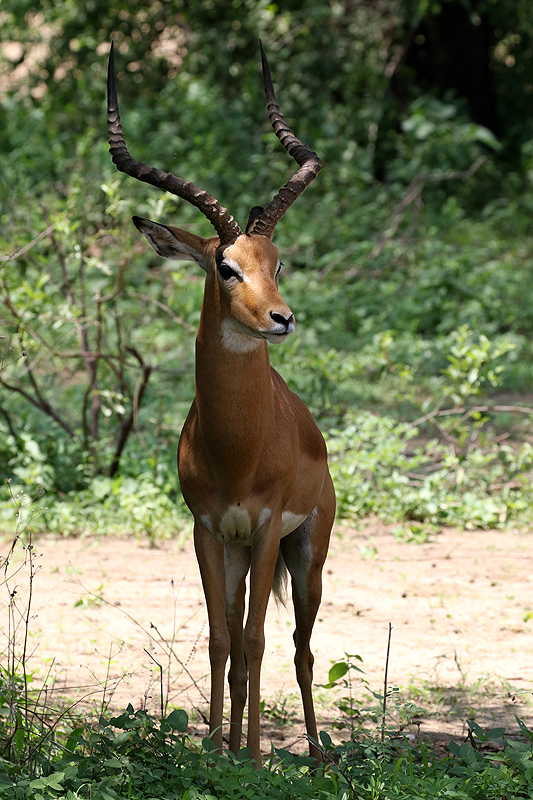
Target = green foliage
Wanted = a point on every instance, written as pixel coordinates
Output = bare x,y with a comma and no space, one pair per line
471,363
409,276
148,759
469,476
134,756
279,710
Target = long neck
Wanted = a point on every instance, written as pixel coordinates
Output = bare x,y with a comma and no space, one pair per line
234,394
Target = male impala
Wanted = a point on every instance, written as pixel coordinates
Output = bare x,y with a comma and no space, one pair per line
251,460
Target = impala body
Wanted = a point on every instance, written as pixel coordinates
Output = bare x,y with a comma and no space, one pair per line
251,460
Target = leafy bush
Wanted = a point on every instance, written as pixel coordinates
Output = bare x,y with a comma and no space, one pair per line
413,248
133,756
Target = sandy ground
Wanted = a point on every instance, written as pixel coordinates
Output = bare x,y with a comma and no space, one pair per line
461,607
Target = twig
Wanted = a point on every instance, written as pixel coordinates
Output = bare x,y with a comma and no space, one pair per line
43,406
141,627
29,246
106,682
385,685
327,757
494,487
7,417
171,650
31,576
166,309
161,691
469,411
127,425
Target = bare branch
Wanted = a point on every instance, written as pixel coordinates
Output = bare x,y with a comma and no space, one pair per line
165,308
45,405
127,424
29,246
412,194
467,412
9,423
42,404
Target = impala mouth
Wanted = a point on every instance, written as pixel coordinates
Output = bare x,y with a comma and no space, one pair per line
276,336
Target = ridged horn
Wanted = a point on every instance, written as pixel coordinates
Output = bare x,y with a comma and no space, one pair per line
310,164
224,224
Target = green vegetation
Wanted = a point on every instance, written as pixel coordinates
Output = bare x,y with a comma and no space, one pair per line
133,756
407,262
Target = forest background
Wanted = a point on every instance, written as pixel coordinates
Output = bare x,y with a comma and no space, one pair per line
408,262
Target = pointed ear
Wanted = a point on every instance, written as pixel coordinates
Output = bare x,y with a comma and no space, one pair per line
175,243
255,213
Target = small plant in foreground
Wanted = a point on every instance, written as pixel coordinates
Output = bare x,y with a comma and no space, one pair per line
390,712
25,725
278,709
133,756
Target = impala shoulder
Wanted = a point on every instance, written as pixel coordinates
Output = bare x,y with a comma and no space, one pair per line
278,383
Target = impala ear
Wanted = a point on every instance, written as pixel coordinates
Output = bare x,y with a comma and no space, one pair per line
175,243
255,213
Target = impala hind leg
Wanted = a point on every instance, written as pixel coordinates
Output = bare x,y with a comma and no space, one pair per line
210,555
304,552
237,563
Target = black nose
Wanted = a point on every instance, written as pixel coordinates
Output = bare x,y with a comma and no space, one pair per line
281,320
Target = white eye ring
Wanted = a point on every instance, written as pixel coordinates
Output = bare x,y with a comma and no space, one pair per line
226,272
228,268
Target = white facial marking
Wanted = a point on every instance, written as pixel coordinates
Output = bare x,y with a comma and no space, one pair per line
290,521
235,267
236,526
237,342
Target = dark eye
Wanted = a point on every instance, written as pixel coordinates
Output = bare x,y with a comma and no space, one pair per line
226,272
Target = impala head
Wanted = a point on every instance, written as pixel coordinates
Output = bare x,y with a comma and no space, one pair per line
242,268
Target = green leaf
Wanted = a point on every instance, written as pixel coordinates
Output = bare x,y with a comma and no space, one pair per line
122,737
19,736
208,744
325,739
74,739
178,720
338,671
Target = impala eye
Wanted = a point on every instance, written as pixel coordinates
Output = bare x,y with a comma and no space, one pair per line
226,272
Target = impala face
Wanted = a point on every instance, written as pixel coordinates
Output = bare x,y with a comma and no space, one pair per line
244,275
247,272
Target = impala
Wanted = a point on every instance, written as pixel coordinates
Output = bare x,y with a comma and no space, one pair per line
252,462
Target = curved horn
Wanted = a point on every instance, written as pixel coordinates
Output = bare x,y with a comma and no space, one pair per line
224,224
310,164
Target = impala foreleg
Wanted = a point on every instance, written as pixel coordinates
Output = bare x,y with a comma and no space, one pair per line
264,557
210,555
237,563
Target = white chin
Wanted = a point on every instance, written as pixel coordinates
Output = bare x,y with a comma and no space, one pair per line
276,338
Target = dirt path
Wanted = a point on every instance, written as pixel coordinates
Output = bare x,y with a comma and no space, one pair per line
461,609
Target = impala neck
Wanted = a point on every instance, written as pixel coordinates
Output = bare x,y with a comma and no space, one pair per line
234,395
